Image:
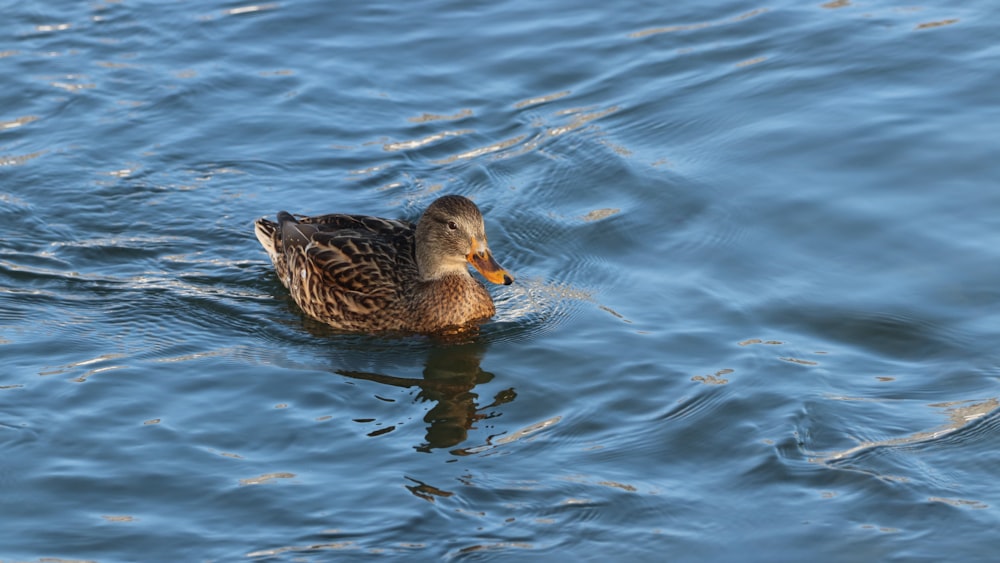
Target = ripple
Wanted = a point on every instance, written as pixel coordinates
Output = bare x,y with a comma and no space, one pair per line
537,100
939,23
532,307
885,334
694,406
940,462
19,159
417,143
17,122
427,117
313,548
970,420
495,547
249,9
87,363
266,478
696,26
520,434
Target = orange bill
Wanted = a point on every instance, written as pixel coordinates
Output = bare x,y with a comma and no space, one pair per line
482,260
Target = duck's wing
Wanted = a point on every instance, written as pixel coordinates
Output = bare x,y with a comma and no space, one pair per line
350,263
363,264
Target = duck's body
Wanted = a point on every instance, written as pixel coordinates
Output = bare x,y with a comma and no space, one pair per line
368,274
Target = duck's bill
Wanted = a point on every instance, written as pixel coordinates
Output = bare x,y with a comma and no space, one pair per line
483,262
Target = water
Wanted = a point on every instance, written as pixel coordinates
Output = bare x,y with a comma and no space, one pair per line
757,256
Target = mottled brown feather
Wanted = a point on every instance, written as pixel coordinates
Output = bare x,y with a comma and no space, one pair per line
361,273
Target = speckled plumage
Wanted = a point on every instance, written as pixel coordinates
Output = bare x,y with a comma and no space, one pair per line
368,274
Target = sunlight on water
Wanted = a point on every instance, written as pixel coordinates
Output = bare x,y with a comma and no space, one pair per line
960,418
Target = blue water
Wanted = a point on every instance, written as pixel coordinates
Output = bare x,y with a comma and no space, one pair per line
757,252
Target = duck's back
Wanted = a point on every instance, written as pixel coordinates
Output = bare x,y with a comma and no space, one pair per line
353,272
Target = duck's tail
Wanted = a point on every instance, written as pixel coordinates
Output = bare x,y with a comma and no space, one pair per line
266,231
269,237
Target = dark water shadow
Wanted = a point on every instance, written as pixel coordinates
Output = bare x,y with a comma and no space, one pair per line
451,373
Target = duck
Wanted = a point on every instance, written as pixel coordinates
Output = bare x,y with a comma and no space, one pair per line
359,273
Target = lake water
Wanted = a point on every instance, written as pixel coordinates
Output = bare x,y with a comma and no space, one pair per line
757,250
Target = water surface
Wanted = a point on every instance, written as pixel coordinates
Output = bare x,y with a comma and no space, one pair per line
757,257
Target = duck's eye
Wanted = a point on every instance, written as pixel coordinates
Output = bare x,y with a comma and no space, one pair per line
452,225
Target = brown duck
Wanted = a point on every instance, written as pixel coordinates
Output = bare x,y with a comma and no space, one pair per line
368,274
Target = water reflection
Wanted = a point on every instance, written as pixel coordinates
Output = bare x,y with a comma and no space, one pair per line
450,376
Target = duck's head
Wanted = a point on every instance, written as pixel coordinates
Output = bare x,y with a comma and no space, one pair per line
450,235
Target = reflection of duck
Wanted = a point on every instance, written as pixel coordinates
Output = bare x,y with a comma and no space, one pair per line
369,274
450,375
